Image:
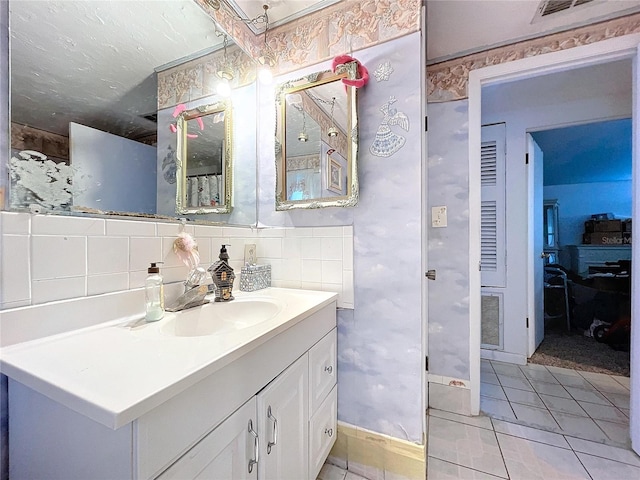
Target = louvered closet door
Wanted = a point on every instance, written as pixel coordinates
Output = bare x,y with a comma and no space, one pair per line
493,245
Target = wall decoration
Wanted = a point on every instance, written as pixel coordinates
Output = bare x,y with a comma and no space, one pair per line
386,142
447,81
383,72
334,176
169,165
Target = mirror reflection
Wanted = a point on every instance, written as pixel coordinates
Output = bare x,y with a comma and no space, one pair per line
317,134
205,162
91,83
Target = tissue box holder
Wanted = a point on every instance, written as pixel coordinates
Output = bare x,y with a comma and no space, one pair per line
255,277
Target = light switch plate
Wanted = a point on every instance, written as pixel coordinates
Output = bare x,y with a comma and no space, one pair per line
439,216
250,255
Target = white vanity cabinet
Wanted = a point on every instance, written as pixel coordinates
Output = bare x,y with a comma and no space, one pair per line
267,414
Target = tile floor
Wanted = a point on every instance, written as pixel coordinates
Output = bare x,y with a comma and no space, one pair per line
537,423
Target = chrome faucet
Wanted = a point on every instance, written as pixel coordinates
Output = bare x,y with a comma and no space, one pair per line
195,289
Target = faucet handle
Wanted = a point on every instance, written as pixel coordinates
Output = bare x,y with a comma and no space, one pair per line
196,277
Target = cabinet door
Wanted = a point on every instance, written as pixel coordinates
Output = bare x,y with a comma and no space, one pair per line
322,369
224,454
283,416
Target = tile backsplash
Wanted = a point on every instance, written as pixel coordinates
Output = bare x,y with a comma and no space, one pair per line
47,257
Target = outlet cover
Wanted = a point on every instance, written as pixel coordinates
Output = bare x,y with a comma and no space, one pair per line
250,255
439,216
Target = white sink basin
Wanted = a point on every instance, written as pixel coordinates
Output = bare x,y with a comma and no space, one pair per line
218,318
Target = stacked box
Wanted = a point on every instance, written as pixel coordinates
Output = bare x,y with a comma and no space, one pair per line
591,226
606,231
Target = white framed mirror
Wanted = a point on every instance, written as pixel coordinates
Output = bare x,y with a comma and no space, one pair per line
204,165
317,141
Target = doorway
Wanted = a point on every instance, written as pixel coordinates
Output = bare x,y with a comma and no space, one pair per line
584,285
523,70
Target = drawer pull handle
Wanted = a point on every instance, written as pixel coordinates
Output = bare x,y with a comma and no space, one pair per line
328,369
275,431
256,447
328,431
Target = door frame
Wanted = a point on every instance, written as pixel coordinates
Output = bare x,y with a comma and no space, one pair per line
624,47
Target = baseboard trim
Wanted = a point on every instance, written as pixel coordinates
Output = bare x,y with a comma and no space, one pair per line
371,454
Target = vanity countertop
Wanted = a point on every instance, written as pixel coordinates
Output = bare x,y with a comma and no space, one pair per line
117,371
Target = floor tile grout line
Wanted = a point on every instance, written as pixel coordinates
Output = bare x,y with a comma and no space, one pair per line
599,456
461,423
532,440
583,465
504,463
470,468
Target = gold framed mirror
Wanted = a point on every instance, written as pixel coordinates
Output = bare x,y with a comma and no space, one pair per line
317,141
204,163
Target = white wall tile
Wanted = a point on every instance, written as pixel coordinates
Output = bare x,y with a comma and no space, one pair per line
311,248
331,248
347,231
172,229
143,251
292,247
312,271
21,303
60,225
204,248
112,282
57,289
16,274
347,253
207,231
129,228
136,279
16,223
347,289
107,255
311,285
299,232
269,248
55,256
272,232
331,271
239,232
292,269
277,269
327,231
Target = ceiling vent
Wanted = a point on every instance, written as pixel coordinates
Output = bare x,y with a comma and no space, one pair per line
152,117
552,7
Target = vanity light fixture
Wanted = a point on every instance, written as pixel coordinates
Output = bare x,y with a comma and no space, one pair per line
225,70
267,56
332,131
302,136
214,4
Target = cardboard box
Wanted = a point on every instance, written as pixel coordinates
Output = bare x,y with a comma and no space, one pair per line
591,226
605,238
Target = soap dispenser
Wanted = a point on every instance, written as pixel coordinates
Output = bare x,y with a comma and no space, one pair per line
223,276
154,294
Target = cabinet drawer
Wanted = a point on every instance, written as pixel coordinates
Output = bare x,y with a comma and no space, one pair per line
322,369
322,432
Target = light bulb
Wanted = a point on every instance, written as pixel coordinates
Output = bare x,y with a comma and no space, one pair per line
265,76
223,89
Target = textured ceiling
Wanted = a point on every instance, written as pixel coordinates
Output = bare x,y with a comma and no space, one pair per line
93,62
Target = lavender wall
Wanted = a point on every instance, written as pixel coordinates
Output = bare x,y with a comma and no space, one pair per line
448,251
380,341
